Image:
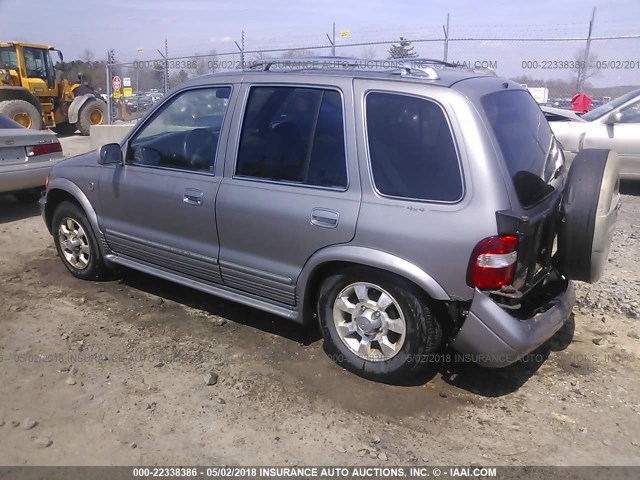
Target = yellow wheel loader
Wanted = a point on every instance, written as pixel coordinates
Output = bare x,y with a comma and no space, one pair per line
31,95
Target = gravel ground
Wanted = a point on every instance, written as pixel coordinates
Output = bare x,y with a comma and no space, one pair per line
140,371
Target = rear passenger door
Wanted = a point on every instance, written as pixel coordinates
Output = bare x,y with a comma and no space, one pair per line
290,187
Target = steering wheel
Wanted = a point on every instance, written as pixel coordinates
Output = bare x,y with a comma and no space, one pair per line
199,147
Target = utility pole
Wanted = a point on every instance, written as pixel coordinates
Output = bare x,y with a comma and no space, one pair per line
446,39
333,44
241,49
109,99
111,60
582,72
332,40
166,66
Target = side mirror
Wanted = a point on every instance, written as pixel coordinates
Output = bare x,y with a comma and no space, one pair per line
110,154
60,56
613,117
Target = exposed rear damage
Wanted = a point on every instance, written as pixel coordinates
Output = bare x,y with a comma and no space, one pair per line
559,230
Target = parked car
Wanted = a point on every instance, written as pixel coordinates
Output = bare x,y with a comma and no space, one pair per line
138,102
553,114
26,156
400,209
614,125
154,95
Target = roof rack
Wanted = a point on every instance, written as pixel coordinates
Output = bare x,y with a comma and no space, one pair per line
429,61
304,62
422,65
404,66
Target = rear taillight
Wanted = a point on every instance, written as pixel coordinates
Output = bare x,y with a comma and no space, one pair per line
493,262
44,149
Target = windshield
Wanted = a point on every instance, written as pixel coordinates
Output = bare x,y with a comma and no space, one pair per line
526,142
608,107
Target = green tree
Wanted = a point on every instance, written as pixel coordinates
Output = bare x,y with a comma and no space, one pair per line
404,50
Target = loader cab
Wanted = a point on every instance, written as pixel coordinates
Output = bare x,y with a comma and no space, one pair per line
30,66
39,66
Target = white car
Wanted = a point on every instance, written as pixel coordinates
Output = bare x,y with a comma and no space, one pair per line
26,156
614,125
553,114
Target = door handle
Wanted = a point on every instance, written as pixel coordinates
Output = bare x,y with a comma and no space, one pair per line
322,217
193,196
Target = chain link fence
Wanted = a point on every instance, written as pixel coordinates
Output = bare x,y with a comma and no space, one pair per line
553,68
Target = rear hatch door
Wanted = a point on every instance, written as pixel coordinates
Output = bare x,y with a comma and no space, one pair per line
535,164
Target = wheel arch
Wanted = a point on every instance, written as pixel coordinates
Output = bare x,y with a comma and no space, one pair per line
19,93
61,189
73,113
330,259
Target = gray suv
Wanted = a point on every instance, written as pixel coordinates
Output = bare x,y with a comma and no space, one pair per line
403,208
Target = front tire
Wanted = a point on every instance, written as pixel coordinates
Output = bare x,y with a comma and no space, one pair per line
22,112
93,112
377,325
76,244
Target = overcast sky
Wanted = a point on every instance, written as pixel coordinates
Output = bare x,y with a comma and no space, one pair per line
193,26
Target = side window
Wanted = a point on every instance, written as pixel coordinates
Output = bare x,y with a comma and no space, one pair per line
411,148
295,135
35,63
184,133
8,57
631,113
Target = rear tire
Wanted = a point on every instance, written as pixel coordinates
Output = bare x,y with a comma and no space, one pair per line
362,314
76,243
93,112
22,112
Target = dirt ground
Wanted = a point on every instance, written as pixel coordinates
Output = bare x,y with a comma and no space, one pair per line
115,373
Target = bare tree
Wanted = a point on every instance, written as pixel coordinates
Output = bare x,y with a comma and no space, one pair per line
368,53
584,68
177,78
87,56
298,53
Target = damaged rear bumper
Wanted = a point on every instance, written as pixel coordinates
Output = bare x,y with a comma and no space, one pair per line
492,337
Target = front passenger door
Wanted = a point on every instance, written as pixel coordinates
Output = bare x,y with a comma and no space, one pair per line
159,208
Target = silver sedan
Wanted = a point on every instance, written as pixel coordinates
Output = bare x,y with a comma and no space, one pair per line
614,125
26,156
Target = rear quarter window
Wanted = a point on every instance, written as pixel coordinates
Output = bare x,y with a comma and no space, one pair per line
411,148
525,140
